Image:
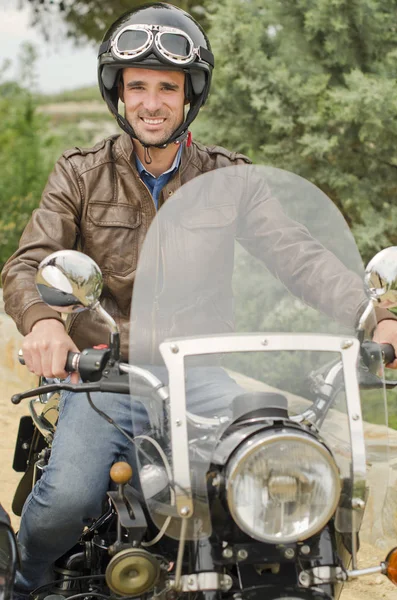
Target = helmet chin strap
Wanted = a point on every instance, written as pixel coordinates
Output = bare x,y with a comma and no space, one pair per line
147,158
177,140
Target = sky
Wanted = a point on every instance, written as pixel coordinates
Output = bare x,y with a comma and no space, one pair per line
62,66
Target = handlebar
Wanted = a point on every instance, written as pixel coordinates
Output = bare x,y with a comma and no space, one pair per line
372,352
388,354
98,373
91,363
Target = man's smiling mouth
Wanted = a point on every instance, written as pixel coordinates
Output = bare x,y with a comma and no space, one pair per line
152,121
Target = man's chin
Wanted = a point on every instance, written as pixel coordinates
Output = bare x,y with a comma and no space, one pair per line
152,138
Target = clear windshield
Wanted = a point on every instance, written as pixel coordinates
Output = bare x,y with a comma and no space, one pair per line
249,285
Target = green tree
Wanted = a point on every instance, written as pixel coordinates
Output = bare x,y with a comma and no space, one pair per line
310,86
24,153
89,19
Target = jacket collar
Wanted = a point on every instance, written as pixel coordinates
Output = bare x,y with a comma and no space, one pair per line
125,146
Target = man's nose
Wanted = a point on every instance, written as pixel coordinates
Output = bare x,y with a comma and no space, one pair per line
152,102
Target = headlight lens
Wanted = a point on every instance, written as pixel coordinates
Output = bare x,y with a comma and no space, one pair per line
282,486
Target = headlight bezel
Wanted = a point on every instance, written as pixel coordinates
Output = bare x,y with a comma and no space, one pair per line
267,437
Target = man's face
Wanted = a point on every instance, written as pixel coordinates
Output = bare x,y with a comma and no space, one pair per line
154,102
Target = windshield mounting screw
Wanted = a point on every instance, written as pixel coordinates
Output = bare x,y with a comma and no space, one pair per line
304,579
289,553
305,549
355,417
185,511
242,554
264,342
227,553
358,504
346,344
226,583
174,348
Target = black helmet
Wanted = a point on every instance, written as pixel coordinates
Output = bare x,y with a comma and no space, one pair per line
156,36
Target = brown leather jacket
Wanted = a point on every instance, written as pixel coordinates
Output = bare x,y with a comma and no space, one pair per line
95,201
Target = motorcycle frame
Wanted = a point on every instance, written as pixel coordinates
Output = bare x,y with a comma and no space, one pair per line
175,351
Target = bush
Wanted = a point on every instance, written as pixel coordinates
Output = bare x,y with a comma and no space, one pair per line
25,157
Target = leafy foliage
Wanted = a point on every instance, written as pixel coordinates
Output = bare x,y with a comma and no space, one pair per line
30,143
310,86
24,161
89,19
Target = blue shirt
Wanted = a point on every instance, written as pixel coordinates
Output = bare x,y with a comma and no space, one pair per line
156,184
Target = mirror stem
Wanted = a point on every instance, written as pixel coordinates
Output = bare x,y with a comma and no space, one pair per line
114,338
365,315
114,345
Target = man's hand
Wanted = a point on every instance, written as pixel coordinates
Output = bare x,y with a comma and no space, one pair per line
46,347
386,333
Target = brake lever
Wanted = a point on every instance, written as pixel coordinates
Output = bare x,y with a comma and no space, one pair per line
56,387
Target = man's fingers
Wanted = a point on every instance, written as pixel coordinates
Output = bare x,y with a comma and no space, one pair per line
32,359
74,378
46,348
59,357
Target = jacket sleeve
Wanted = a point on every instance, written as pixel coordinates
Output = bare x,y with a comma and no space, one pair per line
308,269
53,226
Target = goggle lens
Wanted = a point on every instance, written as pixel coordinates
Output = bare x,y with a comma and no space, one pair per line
176,45
132,40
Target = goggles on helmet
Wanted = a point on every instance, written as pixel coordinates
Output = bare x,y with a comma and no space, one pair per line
168,43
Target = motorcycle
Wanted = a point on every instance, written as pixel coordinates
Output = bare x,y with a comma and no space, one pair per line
268,493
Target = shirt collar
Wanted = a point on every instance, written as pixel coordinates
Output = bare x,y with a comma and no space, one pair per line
173,167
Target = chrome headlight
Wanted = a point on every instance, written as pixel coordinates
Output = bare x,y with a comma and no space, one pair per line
282,486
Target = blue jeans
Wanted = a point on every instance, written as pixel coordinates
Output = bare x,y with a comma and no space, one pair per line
72,489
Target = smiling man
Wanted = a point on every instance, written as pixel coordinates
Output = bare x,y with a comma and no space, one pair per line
158,62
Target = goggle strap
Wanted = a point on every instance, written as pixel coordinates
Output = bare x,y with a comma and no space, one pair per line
207,56
104,47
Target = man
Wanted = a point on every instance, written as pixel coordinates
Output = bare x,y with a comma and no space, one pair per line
102,200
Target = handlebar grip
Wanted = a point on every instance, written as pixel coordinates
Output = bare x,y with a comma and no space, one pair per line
388,353
72,361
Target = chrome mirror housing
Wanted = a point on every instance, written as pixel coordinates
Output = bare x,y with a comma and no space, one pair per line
381,278
69,281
